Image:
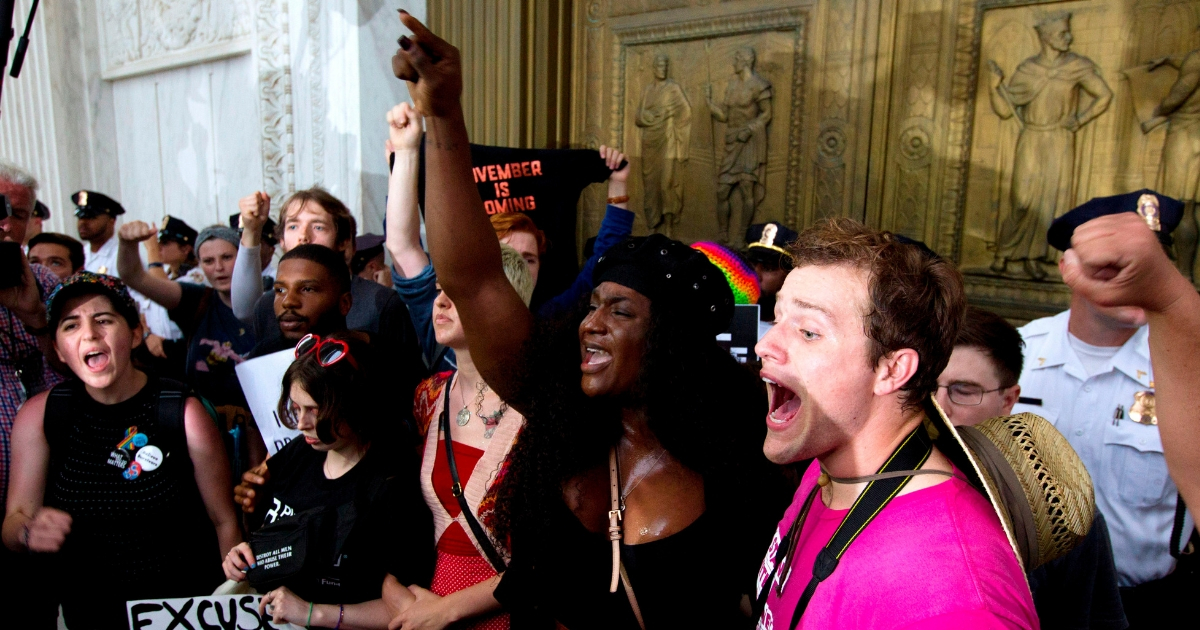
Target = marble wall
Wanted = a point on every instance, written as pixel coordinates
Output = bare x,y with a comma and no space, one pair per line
182,107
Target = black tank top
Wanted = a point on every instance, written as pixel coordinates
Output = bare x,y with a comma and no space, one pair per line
132,536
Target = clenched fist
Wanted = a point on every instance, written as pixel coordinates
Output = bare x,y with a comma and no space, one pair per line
254,210
404,128
137,231
432,68
1116,260
47,530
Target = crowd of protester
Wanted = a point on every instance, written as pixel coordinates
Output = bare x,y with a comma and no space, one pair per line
468,457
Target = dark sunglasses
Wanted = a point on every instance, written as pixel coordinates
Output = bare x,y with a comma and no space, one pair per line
329,351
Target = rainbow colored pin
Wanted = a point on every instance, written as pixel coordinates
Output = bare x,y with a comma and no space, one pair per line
130,434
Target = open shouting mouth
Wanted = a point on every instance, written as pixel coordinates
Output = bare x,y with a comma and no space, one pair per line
784,404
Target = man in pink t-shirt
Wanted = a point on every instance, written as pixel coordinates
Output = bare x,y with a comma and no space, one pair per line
865,323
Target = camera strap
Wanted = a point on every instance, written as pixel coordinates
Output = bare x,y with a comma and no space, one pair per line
912,453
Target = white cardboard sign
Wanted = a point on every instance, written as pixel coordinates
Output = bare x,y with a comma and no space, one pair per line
262,382
210,612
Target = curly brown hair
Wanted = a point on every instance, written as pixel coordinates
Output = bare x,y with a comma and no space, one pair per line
915,297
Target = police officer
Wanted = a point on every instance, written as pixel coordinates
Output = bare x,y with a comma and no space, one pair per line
174,251
1088,372
97,222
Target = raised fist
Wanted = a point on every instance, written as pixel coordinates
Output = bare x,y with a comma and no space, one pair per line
404,128
1116,260
255,209
137,231
432,68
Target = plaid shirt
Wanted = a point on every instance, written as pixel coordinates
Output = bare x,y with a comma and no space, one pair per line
17,345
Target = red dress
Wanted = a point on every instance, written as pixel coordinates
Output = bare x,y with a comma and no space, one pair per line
459,563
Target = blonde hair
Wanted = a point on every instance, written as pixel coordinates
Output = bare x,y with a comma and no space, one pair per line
517,271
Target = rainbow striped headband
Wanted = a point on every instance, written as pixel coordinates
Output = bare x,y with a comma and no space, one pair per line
740,276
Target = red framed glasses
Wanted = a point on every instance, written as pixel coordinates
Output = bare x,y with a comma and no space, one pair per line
329,351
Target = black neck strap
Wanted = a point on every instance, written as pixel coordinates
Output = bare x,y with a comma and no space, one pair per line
481,537
912,453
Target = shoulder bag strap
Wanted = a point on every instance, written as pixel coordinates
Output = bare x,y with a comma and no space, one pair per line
481,536
908,457
615,534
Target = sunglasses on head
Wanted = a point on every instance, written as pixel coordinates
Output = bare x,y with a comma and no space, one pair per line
329,351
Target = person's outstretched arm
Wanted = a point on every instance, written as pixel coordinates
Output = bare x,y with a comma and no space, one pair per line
129,266
246,286
461,239
1117,261
403,215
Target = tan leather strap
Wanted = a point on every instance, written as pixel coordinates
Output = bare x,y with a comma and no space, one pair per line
614,518
615,515
637,611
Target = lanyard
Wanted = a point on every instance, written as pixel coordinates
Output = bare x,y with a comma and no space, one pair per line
908,457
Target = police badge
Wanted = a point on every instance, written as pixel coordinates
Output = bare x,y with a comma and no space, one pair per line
1142,411
1147,208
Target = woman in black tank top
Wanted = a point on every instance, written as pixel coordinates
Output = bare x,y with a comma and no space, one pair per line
119,480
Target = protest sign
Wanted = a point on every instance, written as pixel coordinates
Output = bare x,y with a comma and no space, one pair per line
262,382
741,337
210,612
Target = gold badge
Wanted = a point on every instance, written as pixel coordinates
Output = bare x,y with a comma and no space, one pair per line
768,235
1142,410
1147,208
82,199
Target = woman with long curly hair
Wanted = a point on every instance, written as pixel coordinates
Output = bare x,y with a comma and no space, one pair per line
637,494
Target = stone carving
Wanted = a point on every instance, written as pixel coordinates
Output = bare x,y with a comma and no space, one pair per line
741,178
1180,174
143,36
275,100
665,118
700,51
1044,97
316,90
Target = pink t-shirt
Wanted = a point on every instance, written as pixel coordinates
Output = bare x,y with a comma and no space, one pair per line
934,558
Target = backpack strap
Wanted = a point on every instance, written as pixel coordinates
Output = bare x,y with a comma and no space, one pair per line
172,403
58,406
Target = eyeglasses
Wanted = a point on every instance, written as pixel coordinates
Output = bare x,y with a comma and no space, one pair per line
967,394
329,351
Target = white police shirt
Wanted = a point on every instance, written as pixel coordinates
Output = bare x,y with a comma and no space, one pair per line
1124,458
105,261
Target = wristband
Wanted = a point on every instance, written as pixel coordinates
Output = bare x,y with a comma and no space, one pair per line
616,200
308,623
341,613
156,265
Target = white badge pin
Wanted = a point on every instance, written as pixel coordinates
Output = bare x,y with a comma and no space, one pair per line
149,457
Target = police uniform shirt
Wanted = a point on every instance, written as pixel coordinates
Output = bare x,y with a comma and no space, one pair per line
104,261
1125,458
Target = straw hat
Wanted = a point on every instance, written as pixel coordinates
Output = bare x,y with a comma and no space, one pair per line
1033,478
